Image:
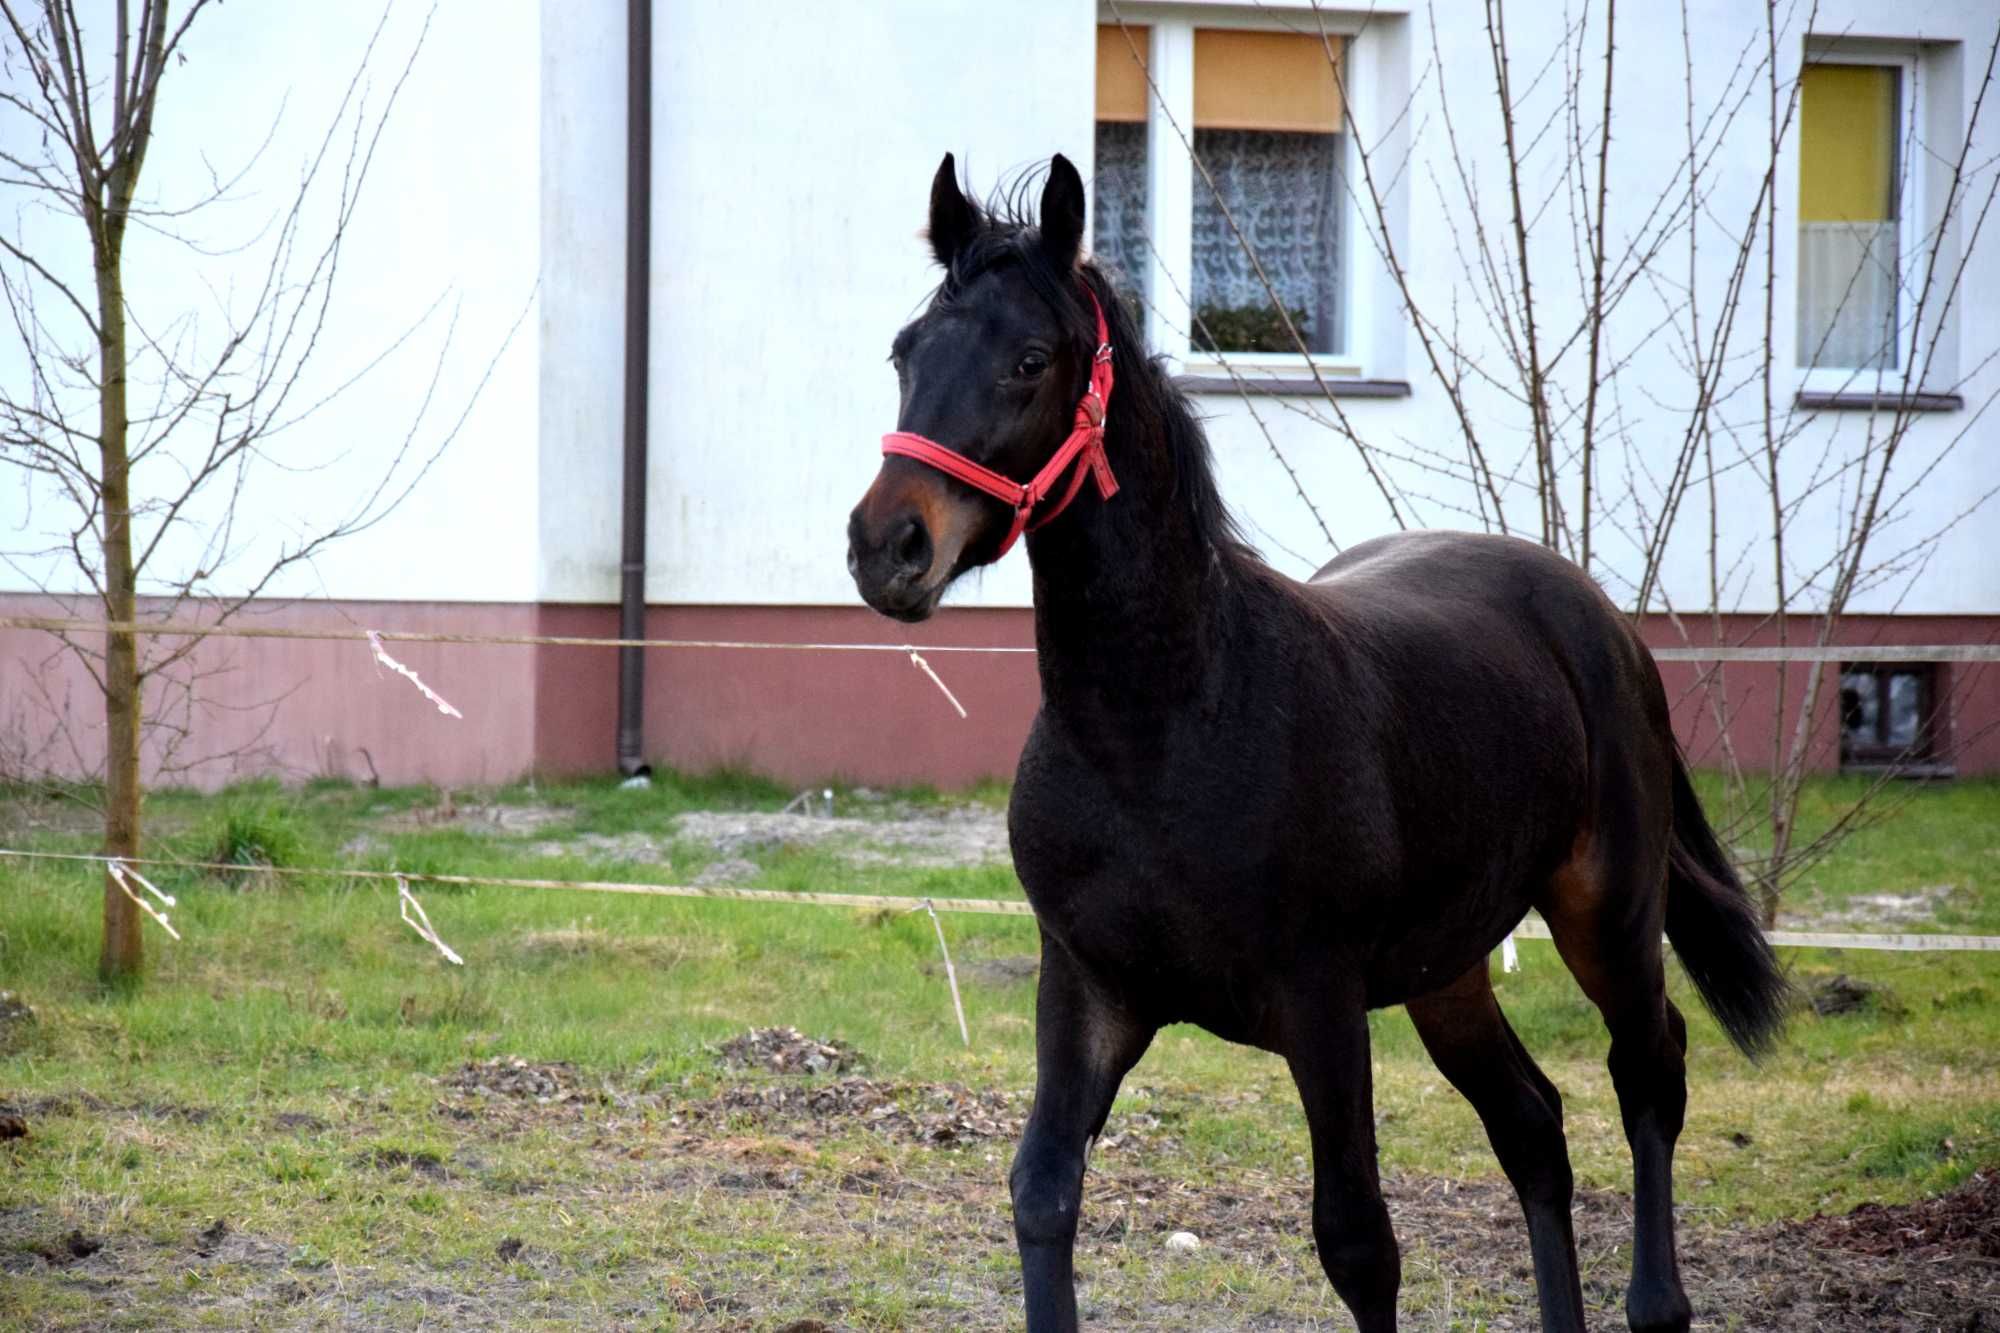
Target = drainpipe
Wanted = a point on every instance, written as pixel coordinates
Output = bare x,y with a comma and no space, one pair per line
638,305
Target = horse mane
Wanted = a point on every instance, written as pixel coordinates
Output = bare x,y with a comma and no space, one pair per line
1146,407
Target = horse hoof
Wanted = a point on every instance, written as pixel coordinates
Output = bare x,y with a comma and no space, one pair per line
1658,1311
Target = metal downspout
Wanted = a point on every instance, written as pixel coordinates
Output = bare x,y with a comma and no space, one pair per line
638,309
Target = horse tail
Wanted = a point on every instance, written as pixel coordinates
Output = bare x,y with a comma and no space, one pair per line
1716,933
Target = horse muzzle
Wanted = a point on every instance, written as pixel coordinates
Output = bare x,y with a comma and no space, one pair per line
891,561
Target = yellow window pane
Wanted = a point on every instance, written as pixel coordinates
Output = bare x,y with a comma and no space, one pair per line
1265,81
1847,142
1121,73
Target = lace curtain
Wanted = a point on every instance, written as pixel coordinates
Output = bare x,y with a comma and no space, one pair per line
1283,189
1847,294
1118,225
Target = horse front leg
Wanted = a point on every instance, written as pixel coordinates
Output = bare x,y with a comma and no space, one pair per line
1327,1048
1084,1046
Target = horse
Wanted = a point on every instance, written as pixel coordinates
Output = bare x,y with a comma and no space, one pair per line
1266,806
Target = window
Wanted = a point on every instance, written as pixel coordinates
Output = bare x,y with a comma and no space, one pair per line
1888,714
1118,221
1855,120
1263,109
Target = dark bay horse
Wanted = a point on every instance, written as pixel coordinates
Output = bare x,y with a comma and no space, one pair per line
1266,806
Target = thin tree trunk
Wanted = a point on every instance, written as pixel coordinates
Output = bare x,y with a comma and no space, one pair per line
122,954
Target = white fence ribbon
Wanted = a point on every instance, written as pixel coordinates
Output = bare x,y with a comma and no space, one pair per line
124,874
382,656
421,922
917,659
950,972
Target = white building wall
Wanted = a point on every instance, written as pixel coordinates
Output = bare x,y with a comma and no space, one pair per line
582,299
447,225
791,171
1955,454
792,157
791,167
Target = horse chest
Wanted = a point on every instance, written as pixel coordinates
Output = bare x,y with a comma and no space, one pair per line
1175,918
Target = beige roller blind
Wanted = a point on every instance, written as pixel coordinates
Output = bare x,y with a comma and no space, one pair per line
1260,81
1847,143
1121,80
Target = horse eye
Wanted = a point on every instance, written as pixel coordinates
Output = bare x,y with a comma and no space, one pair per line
1033,364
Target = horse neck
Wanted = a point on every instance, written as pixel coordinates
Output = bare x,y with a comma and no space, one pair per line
1128,591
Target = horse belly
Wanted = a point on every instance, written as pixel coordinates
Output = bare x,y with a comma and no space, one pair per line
1425,958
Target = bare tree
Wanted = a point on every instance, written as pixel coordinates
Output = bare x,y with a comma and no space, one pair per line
1562,283
151,424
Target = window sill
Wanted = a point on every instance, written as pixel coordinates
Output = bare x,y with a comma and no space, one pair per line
1821,401
1291,386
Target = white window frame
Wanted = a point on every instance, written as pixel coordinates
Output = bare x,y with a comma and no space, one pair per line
1912,202
1171,182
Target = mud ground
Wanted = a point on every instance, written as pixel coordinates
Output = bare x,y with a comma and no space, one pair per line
843,1153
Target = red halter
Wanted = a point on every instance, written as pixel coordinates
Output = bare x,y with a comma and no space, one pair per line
1084,448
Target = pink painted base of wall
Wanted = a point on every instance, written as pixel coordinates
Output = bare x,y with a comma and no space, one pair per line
292,708
1744,697
301,709
797,716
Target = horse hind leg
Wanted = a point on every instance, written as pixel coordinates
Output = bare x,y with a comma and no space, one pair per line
1605,908
1473,1046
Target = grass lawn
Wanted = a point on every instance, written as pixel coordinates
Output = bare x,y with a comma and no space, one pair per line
306,1118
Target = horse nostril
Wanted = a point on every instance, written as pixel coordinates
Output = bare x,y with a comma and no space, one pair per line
913,547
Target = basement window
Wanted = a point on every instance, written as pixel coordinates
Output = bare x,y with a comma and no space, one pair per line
1889,715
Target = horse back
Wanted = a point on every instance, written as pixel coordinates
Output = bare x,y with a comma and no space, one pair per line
1387,761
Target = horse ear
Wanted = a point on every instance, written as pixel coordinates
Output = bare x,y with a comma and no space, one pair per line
953,218
1062,212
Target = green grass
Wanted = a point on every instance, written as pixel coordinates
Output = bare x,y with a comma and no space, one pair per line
1911,837
279,1069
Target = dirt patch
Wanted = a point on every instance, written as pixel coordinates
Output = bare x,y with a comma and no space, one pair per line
1843,994
1961,1223
17,1022
729,870
298,1122
1873,911
84,1103
1466,1237
510,1076
1002,971
70,1248
447,812
787,1051
914,1112
419,1163
629,848
952,836
1928,1266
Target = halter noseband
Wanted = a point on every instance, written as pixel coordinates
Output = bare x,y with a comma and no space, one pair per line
1084,449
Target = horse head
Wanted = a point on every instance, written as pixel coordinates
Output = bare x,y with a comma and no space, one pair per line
990,374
